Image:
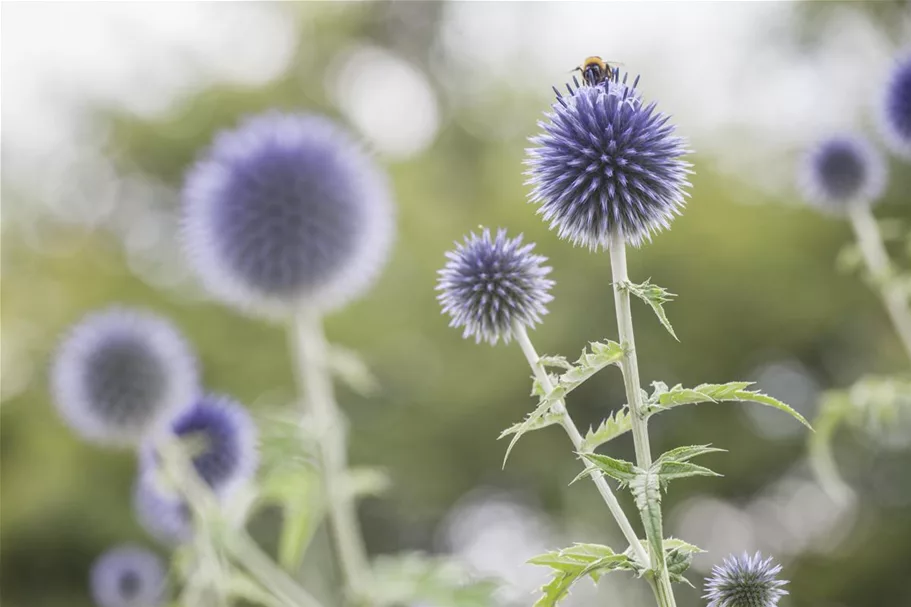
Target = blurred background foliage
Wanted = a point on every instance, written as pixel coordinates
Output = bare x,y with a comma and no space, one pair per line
759,296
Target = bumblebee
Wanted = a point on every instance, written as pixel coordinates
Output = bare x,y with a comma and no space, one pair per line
594,70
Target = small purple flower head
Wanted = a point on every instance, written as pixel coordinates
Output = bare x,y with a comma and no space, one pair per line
220,437
120,374
490,284
128,576
607,165
286,211
163,514
842,172
745,581
896,108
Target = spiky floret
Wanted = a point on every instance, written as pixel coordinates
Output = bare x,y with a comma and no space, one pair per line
120,374
491,284
841,172
607,165
128,576
745,581
220,438
286,211
896,108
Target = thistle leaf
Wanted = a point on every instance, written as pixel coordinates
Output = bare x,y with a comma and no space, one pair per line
548,419
655,297
646,489
620,470
575,563
555,361
618,423
732,391
532,421
682,454
599,355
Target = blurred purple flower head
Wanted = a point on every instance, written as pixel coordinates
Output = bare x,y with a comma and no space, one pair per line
120,374
607,165
896,108
163,514
841,172
490,284
128,576
221,440
745,581
286,211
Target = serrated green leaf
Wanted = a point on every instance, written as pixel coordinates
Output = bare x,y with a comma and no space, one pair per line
548,419
555,361
575,563
618,423
646,490
682,454
598,356
669,471
679,556
620,470
655,297
731,391
531,421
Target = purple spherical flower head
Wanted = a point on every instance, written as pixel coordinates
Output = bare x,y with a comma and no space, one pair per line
607,165
896,108
490,284
128,576
163,514
841,172
120,374
745,581
221,440
287,211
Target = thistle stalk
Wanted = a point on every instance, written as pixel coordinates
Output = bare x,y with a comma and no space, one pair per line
876,259
534,361
315,381
236,542
630,368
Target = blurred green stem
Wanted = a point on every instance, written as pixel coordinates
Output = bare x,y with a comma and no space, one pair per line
630,367
315,380
236,542
877,260
566,421
832,413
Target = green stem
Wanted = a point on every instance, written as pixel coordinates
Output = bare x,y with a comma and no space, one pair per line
314,377
237,542
566,421
877,259
638,417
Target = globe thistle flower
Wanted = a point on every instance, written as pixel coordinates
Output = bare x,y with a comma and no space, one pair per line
490,284
220,437
841,172
607,165
745,581
895,117
286,211
128,576
120,374
164,515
